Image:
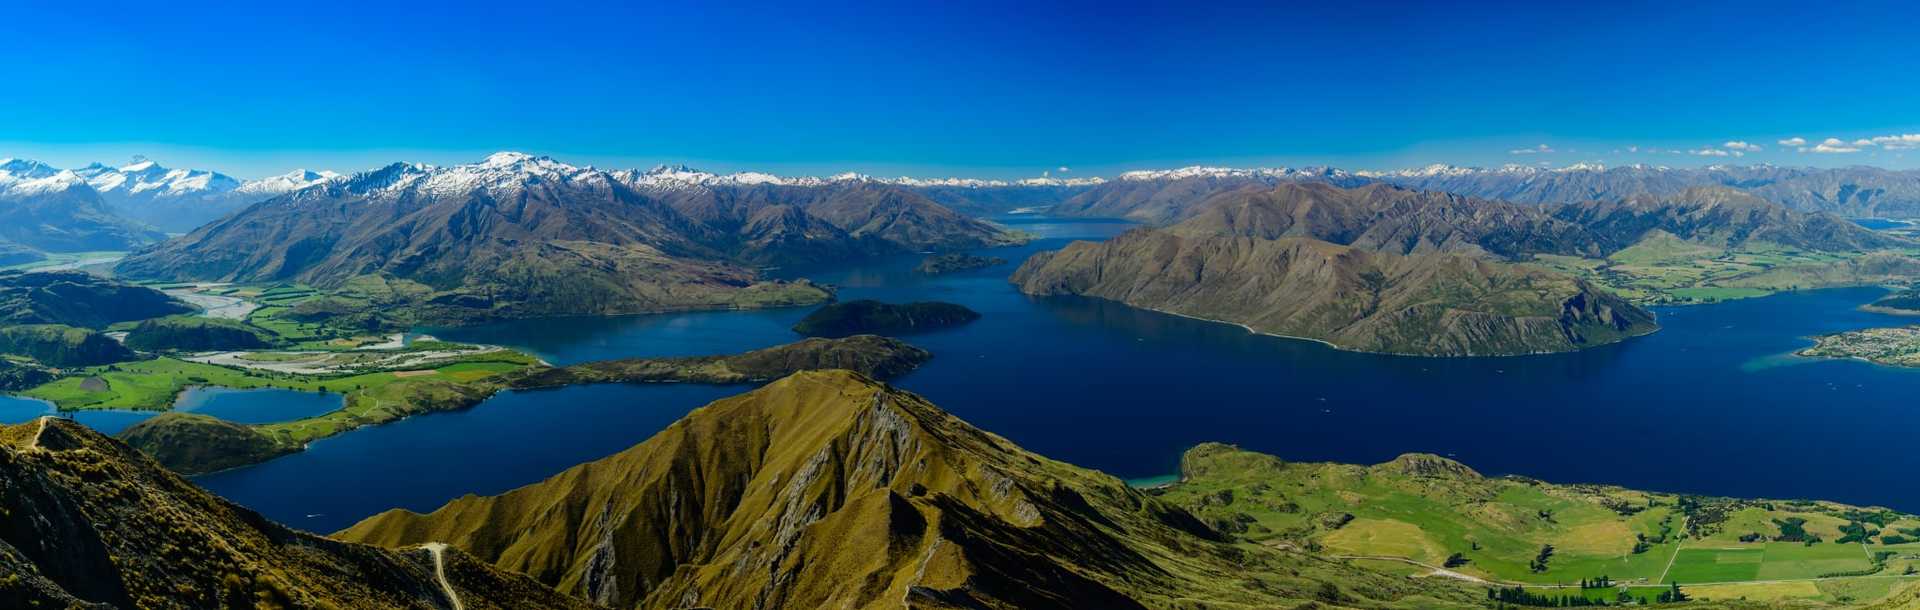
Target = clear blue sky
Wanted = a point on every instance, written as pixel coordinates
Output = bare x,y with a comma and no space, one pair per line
995,90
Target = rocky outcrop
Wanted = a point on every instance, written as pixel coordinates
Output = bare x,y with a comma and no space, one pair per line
1427,465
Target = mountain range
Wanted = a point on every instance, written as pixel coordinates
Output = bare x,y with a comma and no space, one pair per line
171,200
516,235
1163,197
44,209
1383,268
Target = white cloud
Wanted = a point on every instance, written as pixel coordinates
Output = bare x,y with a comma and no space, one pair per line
1064,169
1741,145
1531,151
1633,149
1714,152
1794,141
1863,142
1898,142
1835,146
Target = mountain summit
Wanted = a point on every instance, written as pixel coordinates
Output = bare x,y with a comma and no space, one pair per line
830,490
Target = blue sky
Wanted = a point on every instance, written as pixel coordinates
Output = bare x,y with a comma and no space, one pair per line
978,89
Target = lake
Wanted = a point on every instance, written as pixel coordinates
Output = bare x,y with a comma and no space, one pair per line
250,406
1714,403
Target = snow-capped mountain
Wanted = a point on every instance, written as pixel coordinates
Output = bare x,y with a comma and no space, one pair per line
172,199
147,179
43,208
1197,171
16,170
1849,191
285,183
148,193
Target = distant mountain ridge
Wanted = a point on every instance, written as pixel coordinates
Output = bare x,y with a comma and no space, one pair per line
170,199
1858,191
57,211
1388,269
1161,196
519,235
511,236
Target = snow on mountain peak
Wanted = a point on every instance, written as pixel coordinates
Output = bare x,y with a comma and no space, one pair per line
505,158
1199,171
58,182
12,170
286,183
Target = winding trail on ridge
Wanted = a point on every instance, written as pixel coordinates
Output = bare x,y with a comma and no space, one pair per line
438,549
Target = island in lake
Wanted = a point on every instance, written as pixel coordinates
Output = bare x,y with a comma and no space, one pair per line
957,261
874,317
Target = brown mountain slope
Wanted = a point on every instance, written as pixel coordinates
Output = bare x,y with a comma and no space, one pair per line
827,489
1388,219
837,220
91,523
1430,304
1166,197
1723,217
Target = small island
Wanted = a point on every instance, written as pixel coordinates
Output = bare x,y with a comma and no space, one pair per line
957,261
875,317
1897,346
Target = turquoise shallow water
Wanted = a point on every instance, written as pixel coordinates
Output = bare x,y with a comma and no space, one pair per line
1711,404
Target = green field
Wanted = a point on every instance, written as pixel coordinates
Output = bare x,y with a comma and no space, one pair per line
153,384
1431,510
1670,271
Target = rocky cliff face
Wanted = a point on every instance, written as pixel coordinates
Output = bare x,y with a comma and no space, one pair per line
91,523
1351,298
827,489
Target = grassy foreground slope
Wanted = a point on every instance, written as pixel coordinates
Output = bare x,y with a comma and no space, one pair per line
1438,513
90,523
830,490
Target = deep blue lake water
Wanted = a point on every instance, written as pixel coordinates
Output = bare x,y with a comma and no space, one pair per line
1714,403
258,405
1880,223
254,406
